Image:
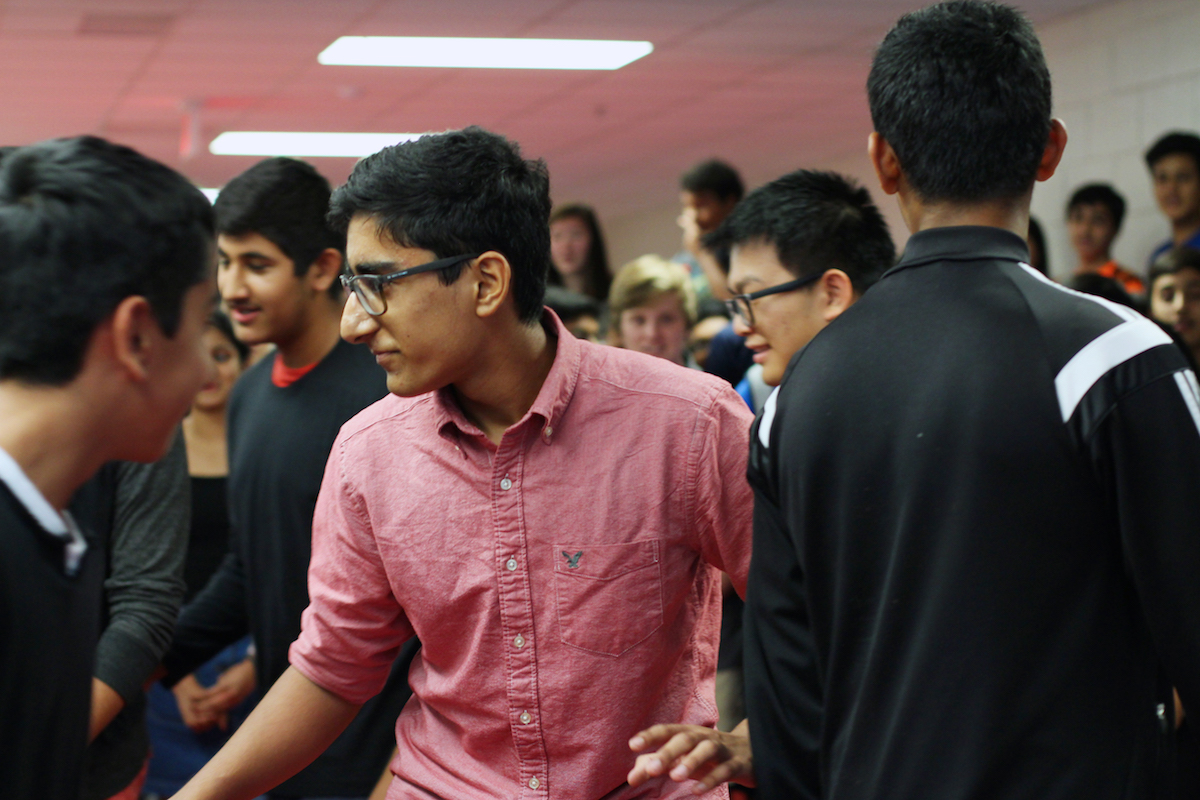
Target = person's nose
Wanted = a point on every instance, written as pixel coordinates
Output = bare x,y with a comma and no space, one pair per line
357,325
230,283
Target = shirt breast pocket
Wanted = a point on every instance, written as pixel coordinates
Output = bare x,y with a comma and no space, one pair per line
609,596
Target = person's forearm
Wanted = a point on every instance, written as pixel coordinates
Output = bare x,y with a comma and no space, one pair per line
106,704
385,780
291,726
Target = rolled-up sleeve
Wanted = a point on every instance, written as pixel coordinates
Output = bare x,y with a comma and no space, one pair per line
353,626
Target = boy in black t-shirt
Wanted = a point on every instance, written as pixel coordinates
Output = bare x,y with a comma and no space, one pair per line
278,268
105,289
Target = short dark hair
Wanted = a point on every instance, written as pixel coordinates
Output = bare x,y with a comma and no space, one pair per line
961,92
1174,143
285,201
1172,261
1100,286
815,221
1099,194
459,192
569,305
84,224
713,176
595,267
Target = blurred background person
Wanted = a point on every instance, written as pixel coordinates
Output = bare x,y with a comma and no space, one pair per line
577,252
1094,215
1174,163
1164,296
188,727
1187,284
708,192
652,307
711,320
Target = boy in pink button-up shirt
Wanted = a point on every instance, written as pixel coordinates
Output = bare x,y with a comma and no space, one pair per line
549,516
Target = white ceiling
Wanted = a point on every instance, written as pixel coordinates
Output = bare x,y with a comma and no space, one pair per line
768,84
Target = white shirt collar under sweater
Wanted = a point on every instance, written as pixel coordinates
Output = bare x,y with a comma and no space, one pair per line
58,525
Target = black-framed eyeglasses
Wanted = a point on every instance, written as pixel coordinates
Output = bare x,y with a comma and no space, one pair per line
740,306
369,288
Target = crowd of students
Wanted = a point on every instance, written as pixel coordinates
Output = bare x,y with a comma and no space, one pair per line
460,510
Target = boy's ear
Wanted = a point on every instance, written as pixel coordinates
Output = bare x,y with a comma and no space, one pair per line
493,282
133,331
325,269
1056,143
883,159
838,291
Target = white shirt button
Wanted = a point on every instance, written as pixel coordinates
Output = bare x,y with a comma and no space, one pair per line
526,717
519,642
506,484
534,783
511,564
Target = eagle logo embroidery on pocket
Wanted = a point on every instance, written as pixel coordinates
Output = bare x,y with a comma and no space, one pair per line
572,560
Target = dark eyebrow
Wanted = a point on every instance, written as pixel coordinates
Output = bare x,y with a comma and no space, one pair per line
375,268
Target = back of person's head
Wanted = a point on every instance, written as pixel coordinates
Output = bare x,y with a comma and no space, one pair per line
285,201
815,221
961,92
1174,143
1100,286
84,224
454,193
644,280
569,305
1099,194
713,176
595,265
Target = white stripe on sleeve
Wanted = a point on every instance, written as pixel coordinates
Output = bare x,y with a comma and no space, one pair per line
1114,346
1186,380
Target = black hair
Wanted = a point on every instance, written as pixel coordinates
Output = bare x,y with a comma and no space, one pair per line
1100,194
221,322
84,224
1172,261
711,307
1174,143
457,193
1037,240
815,221
569,305
961,92
1100,286
285,201
595,266
713,176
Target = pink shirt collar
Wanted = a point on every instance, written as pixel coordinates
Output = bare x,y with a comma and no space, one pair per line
553,399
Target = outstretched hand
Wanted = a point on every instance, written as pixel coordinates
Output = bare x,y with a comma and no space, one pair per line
694,752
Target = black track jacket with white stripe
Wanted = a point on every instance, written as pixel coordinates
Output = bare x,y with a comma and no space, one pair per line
976,568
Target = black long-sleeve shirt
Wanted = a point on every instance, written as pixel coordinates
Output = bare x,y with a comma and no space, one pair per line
279,441
975,550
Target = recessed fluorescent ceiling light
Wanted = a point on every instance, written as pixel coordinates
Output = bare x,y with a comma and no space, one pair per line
281,143
435,51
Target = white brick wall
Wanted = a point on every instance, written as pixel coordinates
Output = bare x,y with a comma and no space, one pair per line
1124,73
